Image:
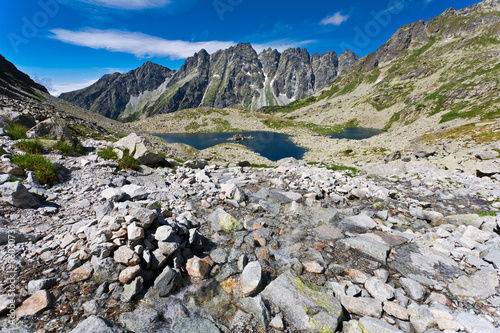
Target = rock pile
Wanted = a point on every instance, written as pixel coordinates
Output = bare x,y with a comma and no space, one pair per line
296,248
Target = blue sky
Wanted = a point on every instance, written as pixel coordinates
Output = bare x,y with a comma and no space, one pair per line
69,44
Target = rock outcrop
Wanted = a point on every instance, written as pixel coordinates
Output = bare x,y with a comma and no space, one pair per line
236,76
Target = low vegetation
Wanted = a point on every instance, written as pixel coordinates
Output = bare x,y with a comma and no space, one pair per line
43,168
30,146
72,148
16,131
107,153
128,162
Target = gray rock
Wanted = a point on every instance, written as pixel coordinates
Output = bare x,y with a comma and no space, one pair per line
97,325
277,323
103,210
143,319
374,325
251,279
486,169
16,236
140,148
313,261
191,325
424,264
36,285
5,178
163,233
363,306
413,289
423,154
368,247
144,216
474,324
196,164
487,155
421,318
165,282
465,219
256,306
135,192
15,194
220,220
304,308
132,289
219,256
113,194
361,221
378,289
351,326
54,128
493,257
394,156
480,285
105,270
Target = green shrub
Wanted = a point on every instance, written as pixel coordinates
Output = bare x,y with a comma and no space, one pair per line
107,153
73,148
30,146
16,131
44,169
128,162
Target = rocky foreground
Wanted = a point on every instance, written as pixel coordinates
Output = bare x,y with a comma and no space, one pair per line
200,248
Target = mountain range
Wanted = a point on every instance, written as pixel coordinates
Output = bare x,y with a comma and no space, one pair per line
236,76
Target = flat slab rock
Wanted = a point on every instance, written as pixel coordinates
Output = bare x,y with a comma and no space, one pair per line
423,264
306,308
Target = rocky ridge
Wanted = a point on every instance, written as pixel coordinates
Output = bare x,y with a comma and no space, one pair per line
292,248
236,76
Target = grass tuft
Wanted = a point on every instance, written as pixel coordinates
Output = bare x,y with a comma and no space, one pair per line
107,153
16,131
30,146
43,168
128,161
74,148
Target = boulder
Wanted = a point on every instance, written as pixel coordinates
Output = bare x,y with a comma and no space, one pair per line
196,164
140,148
11,169
97,325
480,285
37,303
54,128
18,236
394,156
190,325
142,319
15,194
251,279
304,308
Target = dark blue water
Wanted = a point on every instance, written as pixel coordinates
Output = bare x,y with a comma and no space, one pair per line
273,146
356,133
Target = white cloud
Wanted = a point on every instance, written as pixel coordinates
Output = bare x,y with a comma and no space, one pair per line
146,46
335,19
141,45
129,4
59,88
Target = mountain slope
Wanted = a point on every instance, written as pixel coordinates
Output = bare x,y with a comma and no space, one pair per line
13,80
113,92
445,69
236,76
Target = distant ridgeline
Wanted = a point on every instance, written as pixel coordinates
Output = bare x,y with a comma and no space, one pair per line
236,76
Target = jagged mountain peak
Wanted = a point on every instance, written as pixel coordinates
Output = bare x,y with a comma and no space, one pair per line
237,75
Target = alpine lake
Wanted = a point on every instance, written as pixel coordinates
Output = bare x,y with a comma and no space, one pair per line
271,145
